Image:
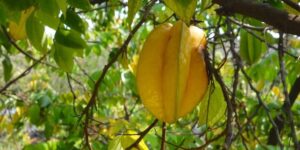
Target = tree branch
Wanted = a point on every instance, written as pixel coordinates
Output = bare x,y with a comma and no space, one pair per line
23,74
163,135
279,119
87,110
292,4
287,111
142,135
285,22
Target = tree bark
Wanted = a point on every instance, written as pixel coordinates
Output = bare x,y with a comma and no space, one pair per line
283,21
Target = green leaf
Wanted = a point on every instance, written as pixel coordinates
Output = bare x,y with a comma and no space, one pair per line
35,33
62,4
290,9
69,38
213,106
37,146
49,7
63,56
161,12
18,5
276,3
183,8
244,45
251,49
115,144
44,100
2,14
82,4
7,68
68,115
4,40
47,19
133,8
294,43
34,114
49,127
204,4
74,21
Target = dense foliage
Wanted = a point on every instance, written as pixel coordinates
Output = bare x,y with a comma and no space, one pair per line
68,75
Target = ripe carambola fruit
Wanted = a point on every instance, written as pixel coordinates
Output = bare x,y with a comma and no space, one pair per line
171,72
17,30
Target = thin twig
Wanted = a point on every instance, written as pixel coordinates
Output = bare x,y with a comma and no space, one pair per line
142,135
103,7
84,71
163,135
236,60
257,93
21,50
243,25
210,140
286,94
270,45
73,93
263,104
174,145
23,74
123,48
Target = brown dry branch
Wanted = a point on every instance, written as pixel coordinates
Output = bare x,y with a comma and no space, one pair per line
283,21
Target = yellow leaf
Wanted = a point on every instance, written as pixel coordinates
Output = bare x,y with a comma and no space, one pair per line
17,29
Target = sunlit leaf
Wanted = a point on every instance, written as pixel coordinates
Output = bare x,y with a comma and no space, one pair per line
115,144
213,106
49,7
183,8
204,4
62,4
294,43
35,33
251,48
48,19
124,141
133,8
64,57
290,9
161,12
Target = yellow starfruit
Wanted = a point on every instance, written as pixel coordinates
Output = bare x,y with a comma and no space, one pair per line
171,73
